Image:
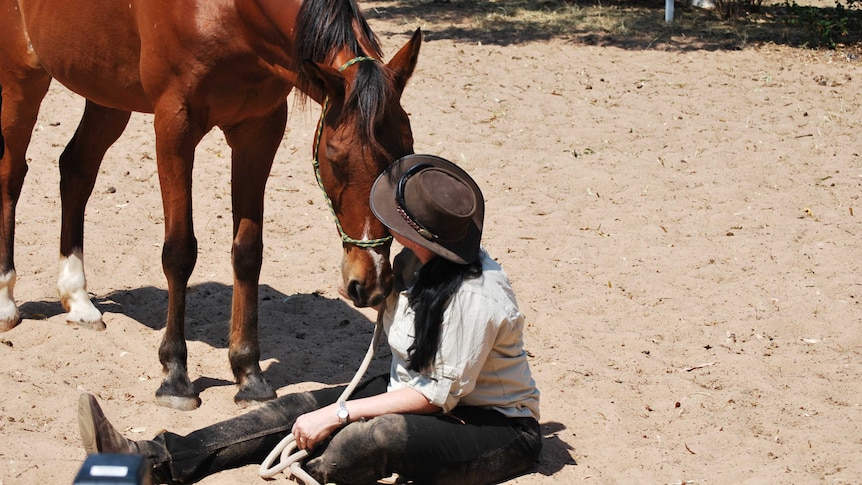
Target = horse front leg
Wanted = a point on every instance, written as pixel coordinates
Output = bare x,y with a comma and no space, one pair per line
21,94
176,138
99,128
254,144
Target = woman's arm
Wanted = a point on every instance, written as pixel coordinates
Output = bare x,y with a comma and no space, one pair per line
317,425
400,401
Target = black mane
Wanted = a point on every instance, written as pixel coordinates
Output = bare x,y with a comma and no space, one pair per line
323,29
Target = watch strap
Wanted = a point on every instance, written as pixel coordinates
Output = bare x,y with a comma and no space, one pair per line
342,413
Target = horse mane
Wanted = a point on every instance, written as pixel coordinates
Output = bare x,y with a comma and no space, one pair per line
323,29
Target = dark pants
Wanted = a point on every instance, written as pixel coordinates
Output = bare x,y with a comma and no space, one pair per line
468,446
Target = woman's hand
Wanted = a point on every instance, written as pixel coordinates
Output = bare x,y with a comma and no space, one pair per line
312,428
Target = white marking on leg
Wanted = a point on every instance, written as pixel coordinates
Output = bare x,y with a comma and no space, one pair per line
8,310
72,286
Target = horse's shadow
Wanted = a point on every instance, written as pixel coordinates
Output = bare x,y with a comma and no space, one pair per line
307,337
303,337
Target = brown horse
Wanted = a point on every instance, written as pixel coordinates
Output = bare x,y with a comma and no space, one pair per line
195,65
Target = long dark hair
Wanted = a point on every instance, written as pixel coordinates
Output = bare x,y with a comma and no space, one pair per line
435,285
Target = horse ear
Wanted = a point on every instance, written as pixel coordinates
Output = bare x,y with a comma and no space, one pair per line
325,78
404,61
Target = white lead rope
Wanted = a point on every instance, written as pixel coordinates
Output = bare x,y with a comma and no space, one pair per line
285,447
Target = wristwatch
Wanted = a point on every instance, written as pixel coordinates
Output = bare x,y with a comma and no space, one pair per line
342,413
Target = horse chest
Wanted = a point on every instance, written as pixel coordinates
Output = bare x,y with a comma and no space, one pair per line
239,98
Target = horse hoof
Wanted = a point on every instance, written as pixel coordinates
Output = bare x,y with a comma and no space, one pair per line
9,318
240,405
97,325
6,325
169,395
254,393
179,403
83,314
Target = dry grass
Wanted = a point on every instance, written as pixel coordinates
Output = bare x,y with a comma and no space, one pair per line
632,24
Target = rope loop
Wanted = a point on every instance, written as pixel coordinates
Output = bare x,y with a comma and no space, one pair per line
284,449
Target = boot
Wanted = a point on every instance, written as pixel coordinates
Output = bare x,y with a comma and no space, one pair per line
97,433
99,436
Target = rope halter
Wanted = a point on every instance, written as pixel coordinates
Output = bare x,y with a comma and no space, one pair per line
362,243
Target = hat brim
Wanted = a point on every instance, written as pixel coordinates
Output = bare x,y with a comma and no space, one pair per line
463,251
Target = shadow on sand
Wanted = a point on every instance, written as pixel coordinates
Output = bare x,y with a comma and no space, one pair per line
303,337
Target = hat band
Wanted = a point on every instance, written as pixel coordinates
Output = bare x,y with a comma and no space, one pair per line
421,230
401,206
415,225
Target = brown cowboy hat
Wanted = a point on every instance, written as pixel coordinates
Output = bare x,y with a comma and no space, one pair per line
432,202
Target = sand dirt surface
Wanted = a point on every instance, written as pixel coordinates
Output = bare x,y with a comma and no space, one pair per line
678,224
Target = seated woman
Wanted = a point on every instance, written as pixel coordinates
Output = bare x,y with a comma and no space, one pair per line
459,405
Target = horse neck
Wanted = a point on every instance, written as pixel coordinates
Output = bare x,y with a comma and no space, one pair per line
270,29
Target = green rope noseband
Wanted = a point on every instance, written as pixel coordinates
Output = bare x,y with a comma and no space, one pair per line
362,243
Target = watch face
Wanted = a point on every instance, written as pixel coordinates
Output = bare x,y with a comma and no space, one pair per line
342,413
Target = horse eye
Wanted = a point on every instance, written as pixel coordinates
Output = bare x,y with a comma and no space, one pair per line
338,162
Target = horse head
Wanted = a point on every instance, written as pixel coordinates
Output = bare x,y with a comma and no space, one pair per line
362,129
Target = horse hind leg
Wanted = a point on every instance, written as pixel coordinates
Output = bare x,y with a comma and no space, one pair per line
99,128
21,94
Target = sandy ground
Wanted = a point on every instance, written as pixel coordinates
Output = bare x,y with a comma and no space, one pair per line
678,223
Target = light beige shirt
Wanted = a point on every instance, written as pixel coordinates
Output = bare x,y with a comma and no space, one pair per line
481,359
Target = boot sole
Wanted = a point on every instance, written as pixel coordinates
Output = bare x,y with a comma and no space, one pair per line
86,424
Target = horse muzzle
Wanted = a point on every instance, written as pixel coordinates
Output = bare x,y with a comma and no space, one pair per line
367,276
